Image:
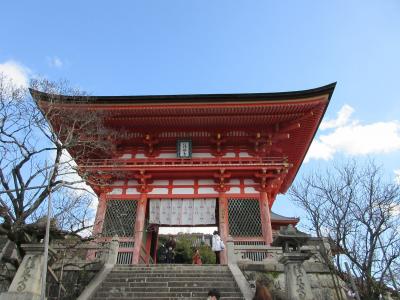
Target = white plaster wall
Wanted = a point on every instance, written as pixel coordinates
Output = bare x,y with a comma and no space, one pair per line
167,155
206,181
234,190
160,182
115,192
229,154
181,191
126,156
200,155
206,190
249,181
140,155
249,190
183,182
244,154
132,182
132,191
234,181
159,191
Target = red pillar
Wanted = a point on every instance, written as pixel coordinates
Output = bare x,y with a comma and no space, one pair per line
223,225
265,217
100,214
139,227
98,222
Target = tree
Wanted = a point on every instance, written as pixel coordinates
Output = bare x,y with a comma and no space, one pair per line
357,209
34,162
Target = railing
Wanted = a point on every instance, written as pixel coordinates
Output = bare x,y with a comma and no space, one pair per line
174,162
255,251
82,253
124,258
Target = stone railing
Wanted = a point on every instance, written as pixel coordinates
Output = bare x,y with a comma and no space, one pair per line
251,253
73,253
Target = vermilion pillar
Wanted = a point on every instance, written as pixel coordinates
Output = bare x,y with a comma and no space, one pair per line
100,214
139,227
265,214
223,224
98,221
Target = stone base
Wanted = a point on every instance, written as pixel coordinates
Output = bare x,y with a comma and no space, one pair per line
19,296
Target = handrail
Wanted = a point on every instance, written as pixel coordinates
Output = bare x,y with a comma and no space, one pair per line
151,162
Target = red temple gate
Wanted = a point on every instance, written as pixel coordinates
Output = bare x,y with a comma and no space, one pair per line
185,155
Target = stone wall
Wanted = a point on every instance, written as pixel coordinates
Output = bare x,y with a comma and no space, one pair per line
273,277
74,280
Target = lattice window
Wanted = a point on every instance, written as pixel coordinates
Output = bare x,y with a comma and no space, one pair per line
120,218
124,258
244,217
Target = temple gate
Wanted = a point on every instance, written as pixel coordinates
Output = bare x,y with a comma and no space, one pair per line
193,160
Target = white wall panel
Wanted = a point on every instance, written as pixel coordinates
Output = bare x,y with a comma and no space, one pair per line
250,190
132,191
181,191
160,182
115,192
230,154
206,181
200,155
244,154
206,190
234,190
183,182
159,191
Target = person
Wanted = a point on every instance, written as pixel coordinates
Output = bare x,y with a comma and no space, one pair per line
351,294
170,249
196,259
213,294
217,245
262,293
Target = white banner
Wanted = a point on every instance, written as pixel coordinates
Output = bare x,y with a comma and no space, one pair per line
182,211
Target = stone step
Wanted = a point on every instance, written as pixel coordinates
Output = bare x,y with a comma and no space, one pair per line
205,283
169,289
167,282
168,277
166,298
168,268
140,295
136,274
176,267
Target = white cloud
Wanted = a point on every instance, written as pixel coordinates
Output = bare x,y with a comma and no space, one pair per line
16,72
353,138
55,62
343,117
397,176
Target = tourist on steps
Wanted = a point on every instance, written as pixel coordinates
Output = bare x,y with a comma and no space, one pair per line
262,293
196,259
217,245
213,294
170,249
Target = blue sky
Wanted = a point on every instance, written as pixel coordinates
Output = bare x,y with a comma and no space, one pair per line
188,46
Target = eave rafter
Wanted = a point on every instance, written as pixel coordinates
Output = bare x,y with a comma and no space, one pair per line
267,124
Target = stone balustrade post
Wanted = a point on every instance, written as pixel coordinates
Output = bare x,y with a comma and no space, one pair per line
297,282
113,251
230,248
26,284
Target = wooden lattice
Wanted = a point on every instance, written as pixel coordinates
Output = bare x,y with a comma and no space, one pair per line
120,218
244,217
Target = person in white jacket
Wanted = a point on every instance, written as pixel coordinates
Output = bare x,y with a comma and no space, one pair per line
217,245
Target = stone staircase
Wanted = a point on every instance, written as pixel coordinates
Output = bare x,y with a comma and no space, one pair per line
162,282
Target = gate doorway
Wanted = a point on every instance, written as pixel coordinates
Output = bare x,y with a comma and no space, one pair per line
190,222
186,240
